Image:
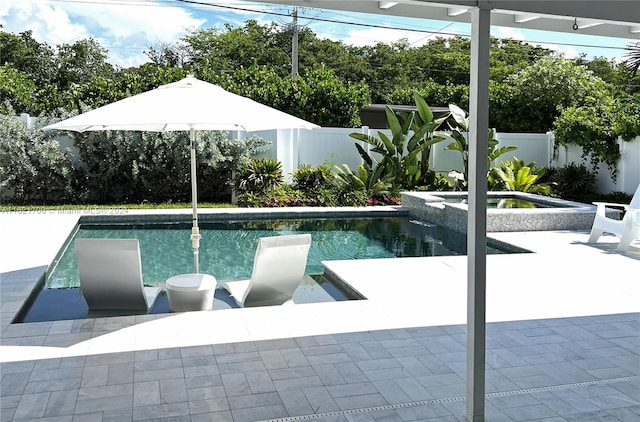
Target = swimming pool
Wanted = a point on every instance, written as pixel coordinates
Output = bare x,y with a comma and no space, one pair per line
227,249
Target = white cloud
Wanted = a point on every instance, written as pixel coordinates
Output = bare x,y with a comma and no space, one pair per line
125,27
567,51
506,32
372,36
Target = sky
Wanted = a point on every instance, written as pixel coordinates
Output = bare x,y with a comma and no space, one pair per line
126,28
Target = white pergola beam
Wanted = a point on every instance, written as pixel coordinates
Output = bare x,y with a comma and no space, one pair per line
383,4
584,24
456,11
524,18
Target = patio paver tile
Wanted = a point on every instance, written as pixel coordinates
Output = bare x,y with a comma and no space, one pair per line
296,403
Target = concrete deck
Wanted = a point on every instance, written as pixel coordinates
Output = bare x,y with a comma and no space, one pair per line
563,343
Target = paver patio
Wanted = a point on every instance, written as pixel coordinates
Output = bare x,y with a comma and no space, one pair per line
563,343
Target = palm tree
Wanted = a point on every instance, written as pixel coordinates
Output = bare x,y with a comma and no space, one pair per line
633,58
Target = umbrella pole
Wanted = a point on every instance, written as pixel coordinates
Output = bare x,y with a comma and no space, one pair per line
195,231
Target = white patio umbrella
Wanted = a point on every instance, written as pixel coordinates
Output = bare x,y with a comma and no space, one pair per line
187,105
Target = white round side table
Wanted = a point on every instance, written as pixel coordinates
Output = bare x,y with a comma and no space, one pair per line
191,292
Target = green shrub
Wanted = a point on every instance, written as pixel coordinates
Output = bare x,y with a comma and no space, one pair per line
258,177
33,169
307,177
573,181
591,128
515,175
405,155
311,187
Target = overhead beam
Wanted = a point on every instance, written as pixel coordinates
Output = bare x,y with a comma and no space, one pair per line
456,11
524,18
584,24
383,4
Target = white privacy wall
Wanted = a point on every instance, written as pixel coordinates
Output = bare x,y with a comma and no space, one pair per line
334,146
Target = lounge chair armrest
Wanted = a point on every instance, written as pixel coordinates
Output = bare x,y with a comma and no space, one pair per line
602,206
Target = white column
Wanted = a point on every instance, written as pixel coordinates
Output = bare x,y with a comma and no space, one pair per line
477,223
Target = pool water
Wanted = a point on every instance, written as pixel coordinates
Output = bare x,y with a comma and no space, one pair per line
227,251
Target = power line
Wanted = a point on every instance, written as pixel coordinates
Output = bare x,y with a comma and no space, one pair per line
378,26
316,18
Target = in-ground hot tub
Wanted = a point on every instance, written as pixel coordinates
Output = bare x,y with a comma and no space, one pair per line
506,211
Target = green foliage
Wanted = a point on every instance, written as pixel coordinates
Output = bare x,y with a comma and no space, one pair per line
432,92
80,62
317,95
591,128
632,62
460,134
372,184
596,129
405,156
132,167
307,177
572,181
258,177
26,55
33,169
235,48
515,175
312,187
16,90
626,117
539,93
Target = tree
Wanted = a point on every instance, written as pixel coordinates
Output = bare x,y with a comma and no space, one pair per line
317,95
237,48
80,62
539,93
632,61
16,90
23,53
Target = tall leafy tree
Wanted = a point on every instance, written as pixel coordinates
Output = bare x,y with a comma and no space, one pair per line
23,53
238,47
80,62
539,93
16,90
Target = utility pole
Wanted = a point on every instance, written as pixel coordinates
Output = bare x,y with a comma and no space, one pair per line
294,45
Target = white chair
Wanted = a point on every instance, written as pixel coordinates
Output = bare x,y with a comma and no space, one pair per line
111,275
626,230
278,269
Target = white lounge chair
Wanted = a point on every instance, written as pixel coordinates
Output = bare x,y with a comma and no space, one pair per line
111,275
278,269
627,229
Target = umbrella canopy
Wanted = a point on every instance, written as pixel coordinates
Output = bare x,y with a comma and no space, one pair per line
181,106
187,105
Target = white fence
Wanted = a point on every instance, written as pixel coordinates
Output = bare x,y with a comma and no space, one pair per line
335,146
